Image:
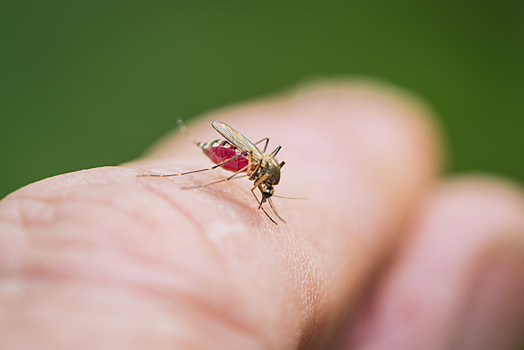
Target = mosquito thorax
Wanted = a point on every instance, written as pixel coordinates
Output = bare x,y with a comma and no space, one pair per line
273,171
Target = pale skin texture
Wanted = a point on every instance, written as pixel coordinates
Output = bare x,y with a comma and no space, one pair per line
385,254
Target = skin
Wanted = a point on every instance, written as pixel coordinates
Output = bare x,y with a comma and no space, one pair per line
385,254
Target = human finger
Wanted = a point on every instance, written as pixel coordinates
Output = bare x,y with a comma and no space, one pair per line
110,258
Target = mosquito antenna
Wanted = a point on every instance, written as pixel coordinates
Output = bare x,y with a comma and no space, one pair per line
183,129
290,197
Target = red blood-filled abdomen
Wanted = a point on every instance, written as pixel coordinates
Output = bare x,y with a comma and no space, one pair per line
222,151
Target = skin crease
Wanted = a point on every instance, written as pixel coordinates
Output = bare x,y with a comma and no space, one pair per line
384,254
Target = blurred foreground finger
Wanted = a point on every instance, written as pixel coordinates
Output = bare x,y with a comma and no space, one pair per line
459,281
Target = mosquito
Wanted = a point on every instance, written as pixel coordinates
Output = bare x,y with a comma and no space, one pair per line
237,154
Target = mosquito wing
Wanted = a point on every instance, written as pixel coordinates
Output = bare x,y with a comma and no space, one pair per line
237,139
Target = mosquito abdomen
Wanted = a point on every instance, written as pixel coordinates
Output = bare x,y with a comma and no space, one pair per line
220,151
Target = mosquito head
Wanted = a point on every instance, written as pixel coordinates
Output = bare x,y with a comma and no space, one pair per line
267,193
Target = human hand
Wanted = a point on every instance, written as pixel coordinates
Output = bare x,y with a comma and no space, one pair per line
384,254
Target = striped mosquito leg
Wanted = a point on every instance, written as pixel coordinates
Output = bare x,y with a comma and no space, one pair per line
191,172
222,180
265,146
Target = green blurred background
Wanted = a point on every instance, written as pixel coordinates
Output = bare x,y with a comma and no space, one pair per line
86,84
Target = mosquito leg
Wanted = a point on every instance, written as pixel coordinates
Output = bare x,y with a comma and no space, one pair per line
270,218
191,172
222,180
265,146
258,202
232,177
262,194
260,181
274,210
250,161
274,153
257,185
